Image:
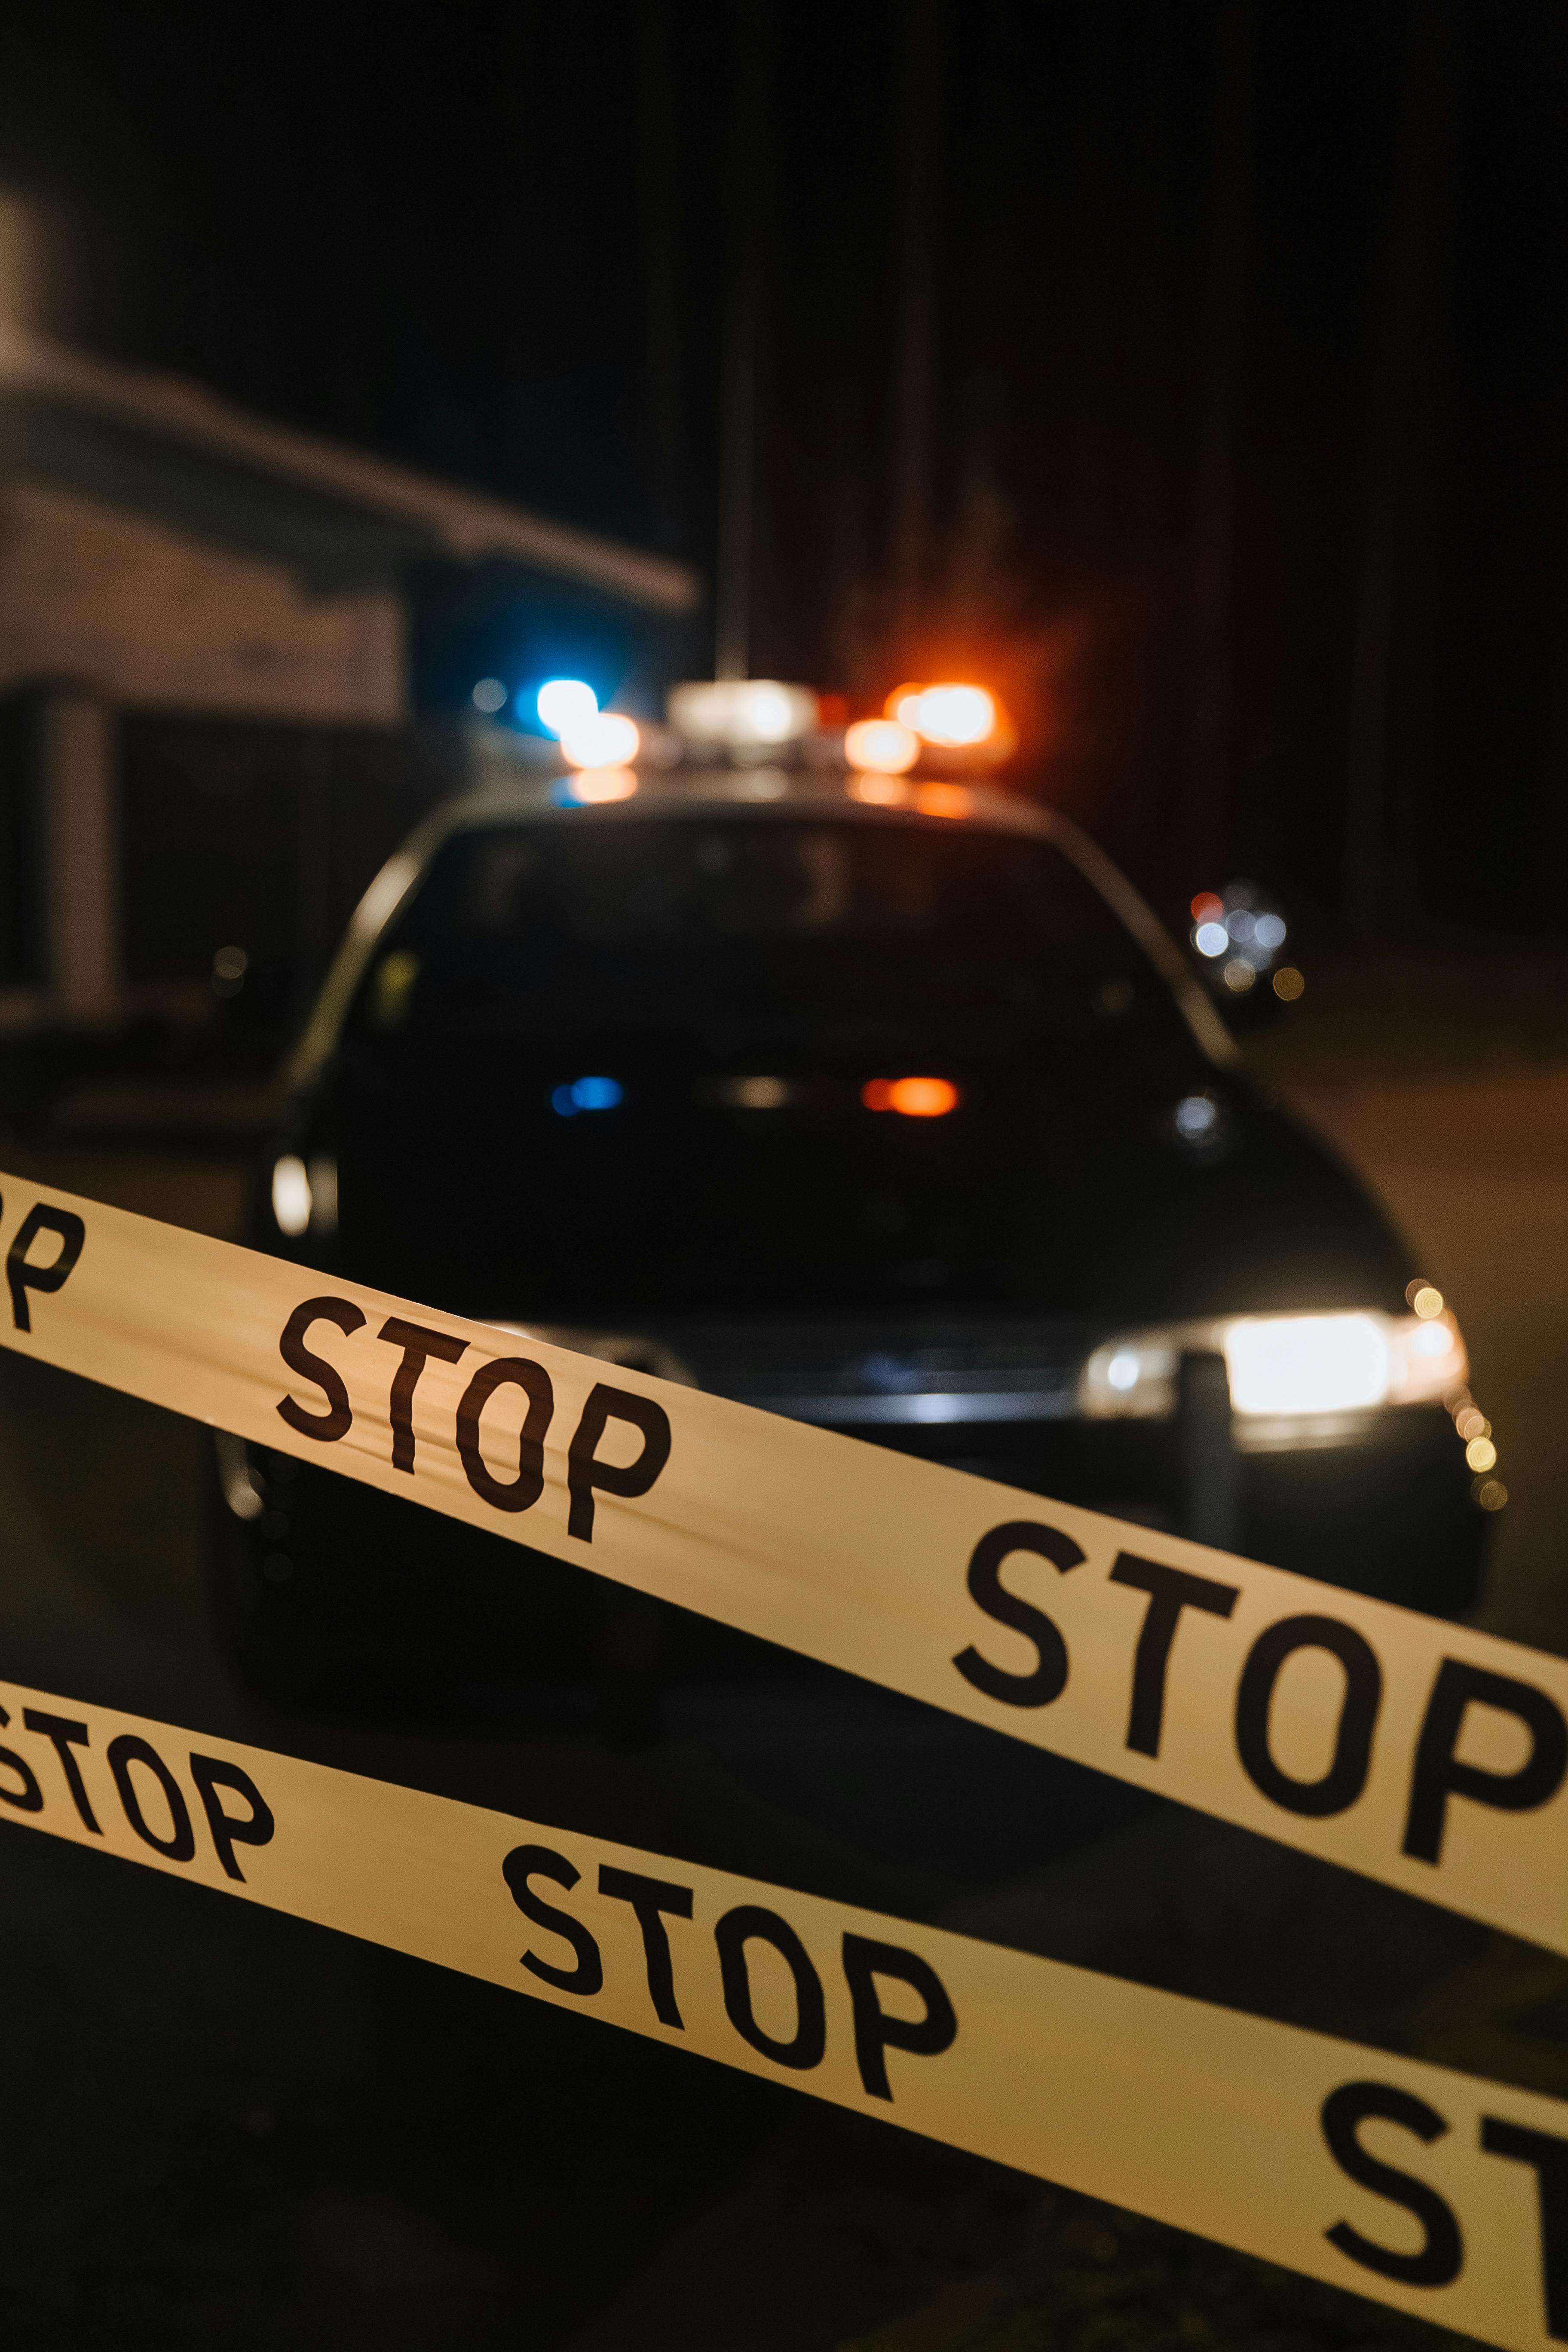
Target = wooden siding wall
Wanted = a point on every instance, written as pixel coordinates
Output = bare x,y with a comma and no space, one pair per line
143,614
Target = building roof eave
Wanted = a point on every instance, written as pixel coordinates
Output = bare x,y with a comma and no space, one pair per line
463,525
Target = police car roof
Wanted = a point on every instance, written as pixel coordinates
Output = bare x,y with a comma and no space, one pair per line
516,797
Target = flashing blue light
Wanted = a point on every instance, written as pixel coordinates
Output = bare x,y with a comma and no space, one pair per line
586,1094
565,702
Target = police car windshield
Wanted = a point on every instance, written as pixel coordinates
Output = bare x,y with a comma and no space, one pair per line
718,935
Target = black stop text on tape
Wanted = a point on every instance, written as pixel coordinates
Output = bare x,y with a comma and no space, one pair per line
866,1963
213,1777
1049,1677
1340,1784
1438,1775
23,1273
1439,2259
588,1473
1170,1589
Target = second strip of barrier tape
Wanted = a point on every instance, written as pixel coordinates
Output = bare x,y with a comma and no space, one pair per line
1424,2188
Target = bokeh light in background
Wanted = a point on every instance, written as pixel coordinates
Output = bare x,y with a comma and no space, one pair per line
1238,929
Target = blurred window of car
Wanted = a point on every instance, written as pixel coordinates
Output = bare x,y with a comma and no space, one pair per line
801,934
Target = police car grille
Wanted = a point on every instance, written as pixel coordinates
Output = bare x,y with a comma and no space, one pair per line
866,1375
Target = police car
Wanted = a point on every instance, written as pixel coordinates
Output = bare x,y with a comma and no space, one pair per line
821,1073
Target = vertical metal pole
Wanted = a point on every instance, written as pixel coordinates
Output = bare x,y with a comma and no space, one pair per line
1386,587
738,422
661,267
1210,588
914,393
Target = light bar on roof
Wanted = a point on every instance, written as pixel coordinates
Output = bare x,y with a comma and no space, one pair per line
741,714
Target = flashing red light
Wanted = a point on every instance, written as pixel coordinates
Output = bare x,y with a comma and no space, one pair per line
1207,909
911,1097
945,799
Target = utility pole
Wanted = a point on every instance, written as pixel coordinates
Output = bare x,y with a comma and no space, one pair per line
1213,557
661,271
738,418
1384,760
914,390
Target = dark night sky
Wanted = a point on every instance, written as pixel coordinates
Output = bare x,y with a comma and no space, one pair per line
1247,474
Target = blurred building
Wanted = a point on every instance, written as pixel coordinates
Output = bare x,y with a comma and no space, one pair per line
206,734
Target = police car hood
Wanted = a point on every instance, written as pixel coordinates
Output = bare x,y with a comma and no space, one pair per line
1071,1193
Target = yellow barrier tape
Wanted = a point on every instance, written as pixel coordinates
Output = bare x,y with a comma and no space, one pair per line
1424,2188
1415,1752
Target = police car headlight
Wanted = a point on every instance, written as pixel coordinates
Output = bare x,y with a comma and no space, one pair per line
1281,1366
